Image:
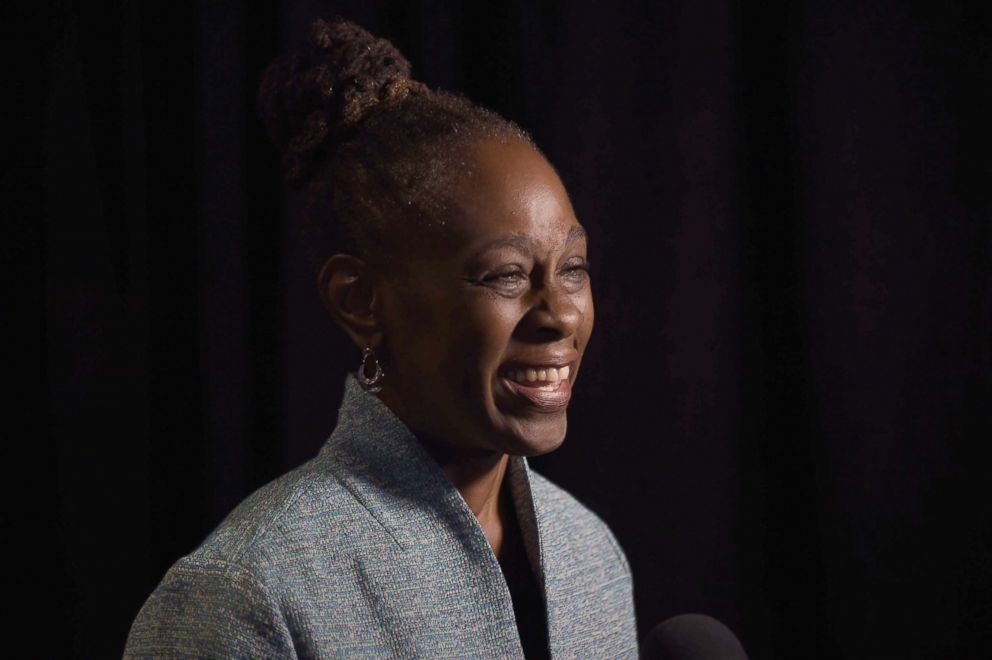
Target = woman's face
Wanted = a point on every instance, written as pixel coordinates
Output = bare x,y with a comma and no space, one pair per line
484,330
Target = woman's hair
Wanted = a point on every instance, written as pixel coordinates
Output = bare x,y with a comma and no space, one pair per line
376,151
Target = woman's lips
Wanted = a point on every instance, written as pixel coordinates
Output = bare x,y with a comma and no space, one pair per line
545,399
546,388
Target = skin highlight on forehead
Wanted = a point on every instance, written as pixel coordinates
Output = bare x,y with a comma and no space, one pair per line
529,198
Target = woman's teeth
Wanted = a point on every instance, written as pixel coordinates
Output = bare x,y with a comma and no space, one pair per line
550,376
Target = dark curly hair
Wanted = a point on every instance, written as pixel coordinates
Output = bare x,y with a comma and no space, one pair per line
375,150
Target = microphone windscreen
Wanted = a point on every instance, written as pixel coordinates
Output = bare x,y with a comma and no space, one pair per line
691,637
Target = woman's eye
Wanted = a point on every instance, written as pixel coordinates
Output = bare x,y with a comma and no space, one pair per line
577,271
506,277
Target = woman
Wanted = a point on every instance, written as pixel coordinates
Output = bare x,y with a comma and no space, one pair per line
449,252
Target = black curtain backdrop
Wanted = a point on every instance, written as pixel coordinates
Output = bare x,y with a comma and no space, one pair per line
785,413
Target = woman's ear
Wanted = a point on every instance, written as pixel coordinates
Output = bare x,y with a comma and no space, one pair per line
348,292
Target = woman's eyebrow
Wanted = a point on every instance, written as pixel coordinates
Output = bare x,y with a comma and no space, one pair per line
577,232
520,242
524,243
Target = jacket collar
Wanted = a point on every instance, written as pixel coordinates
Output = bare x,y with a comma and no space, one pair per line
380,460
399,483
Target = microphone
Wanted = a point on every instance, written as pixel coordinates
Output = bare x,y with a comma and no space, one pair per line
691,637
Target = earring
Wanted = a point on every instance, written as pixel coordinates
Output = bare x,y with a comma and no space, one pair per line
373,383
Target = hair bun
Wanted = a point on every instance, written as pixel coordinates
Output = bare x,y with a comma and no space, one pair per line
309,99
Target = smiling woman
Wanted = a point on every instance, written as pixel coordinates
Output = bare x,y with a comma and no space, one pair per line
447,249
504,293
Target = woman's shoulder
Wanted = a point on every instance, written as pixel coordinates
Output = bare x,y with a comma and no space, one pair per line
226,593
284,519
217,599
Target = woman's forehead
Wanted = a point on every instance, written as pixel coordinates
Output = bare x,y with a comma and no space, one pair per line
508,197
511,194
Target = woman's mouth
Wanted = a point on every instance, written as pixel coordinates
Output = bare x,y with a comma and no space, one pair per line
547,388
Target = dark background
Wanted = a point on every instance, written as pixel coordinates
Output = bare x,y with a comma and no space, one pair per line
784,413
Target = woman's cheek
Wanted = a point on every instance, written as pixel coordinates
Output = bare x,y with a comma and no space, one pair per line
589,314
495,310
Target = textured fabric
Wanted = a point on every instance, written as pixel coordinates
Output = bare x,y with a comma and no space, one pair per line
369,550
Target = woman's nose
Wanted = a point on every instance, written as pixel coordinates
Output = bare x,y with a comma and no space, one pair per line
554,314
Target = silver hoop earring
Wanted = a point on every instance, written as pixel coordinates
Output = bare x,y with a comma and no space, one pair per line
373,383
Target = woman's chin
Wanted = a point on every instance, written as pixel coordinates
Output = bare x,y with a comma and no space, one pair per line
539,449
529,441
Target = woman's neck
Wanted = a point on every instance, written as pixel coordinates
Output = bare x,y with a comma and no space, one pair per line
478,477
477,474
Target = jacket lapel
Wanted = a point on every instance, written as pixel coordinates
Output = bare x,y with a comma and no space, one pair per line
379,460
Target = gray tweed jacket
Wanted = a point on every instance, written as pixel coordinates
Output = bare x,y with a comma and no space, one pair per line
368,550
